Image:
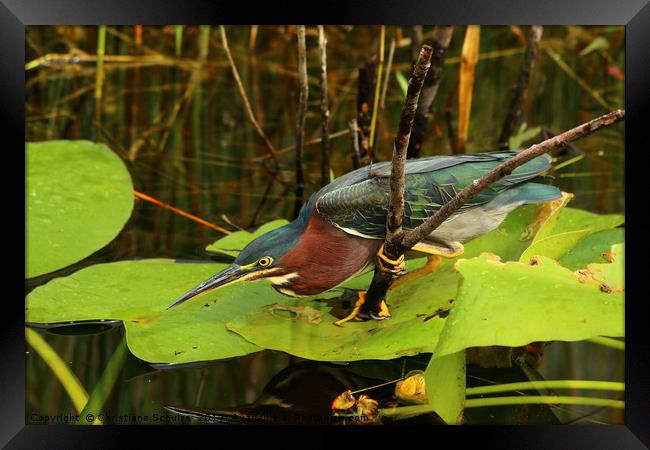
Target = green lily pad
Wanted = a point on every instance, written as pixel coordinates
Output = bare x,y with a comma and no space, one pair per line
565,228
611,274
247,317
591,248
413,329
232,244
554,246
513,304
418,309
573,219
445,382
138,293
79,196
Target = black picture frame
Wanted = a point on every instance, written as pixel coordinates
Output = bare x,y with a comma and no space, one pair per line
634,14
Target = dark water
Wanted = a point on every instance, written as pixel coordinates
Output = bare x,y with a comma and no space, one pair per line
190,144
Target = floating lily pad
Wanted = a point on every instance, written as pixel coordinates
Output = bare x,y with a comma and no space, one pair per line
445,380
554,246
247,317
513,304
564,228
138,293
79,196
591,248
610,275
413,329
573,219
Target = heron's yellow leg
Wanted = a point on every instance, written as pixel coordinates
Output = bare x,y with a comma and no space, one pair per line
396,266
432,264
435,254
450,250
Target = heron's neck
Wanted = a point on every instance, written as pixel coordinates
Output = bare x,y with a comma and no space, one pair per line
323,257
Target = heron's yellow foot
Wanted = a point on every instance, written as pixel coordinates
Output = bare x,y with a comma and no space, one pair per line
385,264
382,314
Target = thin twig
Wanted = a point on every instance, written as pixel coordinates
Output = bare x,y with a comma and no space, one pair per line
504,169
354,139
396,208
265,197
292,148
389,64
300,122
324,111
582,83
416,42
515,112
367,72
99,74
178,107
382,280
242,92
451,134
440,43
76,57
375,97
149,199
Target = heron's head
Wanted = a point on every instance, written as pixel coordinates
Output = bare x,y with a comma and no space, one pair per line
262,258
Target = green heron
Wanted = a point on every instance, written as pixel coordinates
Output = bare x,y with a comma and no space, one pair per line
339,232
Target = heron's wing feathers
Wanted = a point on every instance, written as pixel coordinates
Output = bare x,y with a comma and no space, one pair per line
360,207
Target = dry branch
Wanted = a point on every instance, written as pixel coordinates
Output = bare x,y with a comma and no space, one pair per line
382,280
242,92
292,148
396,208
515,112
440,43
354,146
300,122
324,111
504,169
389,63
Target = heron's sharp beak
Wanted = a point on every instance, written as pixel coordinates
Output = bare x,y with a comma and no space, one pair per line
228,275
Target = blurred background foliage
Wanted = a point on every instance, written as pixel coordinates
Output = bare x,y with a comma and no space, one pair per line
165,100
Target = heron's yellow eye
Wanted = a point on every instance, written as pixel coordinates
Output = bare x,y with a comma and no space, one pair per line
265,261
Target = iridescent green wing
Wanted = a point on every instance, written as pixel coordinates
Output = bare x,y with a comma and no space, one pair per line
361,207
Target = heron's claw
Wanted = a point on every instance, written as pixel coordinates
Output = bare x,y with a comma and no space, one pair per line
356,313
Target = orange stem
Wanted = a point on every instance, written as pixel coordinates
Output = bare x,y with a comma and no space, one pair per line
182,213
